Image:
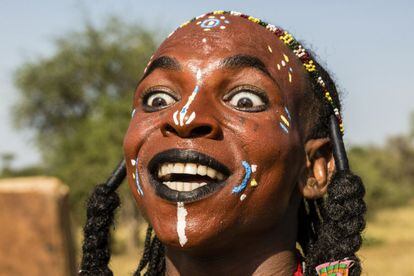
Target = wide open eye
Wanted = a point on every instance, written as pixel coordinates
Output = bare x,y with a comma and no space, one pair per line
246,100
158,100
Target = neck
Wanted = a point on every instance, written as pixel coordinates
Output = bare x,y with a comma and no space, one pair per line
267,256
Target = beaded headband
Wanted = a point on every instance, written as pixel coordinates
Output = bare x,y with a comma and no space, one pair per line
297,49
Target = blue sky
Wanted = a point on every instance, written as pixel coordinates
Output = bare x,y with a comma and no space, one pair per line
365,44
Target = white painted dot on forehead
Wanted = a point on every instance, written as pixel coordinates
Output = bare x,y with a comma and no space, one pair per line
204,40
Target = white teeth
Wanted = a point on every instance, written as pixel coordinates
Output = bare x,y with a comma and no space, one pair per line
187,186
190,168
165,170
201,170
180,186
211,172
178,168
195,185
183,186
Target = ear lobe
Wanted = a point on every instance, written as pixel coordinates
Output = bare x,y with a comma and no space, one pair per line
320,166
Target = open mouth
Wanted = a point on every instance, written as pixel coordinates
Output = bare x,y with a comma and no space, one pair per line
186,175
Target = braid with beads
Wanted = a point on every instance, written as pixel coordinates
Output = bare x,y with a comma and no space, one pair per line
329,228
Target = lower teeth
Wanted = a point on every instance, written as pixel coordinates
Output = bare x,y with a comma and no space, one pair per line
183,186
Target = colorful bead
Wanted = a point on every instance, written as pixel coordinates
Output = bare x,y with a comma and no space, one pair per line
286,37
253,19
309,66
271,28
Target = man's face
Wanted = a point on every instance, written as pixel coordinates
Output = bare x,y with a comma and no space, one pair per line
214,148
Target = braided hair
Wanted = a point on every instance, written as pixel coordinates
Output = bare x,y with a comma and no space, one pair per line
329,228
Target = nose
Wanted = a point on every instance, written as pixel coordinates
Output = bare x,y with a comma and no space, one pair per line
204,127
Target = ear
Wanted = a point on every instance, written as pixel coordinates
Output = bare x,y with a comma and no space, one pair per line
320,165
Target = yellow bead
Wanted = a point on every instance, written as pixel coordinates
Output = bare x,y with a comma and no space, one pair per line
253,19
253,183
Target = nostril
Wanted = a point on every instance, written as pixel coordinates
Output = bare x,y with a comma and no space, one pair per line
170,129
191,131
201,131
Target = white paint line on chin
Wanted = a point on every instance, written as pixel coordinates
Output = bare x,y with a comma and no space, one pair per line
181,223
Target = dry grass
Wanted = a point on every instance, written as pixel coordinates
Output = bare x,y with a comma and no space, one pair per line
389,249
393,253
124,264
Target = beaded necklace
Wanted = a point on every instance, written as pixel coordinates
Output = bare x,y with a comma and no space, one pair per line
297,49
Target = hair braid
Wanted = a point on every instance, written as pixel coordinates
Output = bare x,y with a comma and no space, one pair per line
153,256
101,207
340,233
147,250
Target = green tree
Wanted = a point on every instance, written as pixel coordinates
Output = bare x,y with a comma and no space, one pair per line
79,101
387,170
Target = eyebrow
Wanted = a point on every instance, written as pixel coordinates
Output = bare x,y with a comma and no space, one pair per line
245,61
232,62
163,62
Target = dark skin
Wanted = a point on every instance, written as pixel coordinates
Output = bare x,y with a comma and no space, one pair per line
227,235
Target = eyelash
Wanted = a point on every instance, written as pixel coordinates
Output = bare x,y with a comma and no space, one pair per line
249,89
154,90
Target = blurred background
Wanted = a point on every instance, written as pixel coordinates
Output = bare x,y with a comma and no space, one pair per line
69,68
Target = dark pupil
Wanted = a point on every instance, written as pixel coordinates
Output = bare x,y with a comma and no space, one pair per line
158,102
244,102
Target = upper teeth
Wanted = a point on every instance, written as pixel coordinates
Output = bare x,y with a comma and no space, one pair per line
187,168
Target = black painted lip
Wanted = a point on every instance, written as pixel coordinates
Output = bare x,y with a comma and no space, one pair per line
185,156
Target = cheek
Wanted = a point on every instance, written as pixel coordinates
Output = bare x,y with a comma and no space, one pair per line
279,159
139,129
